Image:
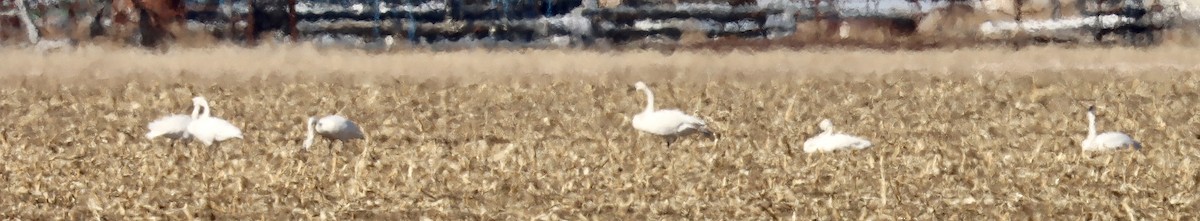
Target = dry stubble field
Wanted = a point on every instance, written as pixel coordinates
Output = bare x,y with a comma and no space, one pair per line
960,135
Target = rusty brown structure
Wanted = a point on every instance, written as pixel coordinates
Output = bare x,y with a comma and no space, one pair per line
293,33
155,19
251,37
158,20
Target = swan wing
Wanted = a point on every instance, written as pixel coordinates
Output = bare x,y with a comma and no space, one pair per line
347,130
847,141
339,127
353,131
814,144
225,130
832,142
667,122
689,119
822,143
1116,140
213,129
173,126
657,122
681,122
200,130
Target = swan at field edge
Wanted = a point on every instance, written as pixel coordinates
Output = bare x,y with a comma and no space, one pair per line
668,123
208,129
388,42
332,127
1106,141
358,8
173,127
383,8
828,140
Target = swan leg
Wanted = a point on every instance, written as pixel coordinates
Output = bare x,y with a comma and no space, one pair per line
209,156
191,152
173,150
217,148
670,140
330,147
332,164
332,157
707,133
356,146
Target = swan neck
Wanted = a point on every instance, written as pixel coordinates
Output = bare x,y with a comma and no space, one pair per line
207,110
195,111
649,100
1091,124
308,141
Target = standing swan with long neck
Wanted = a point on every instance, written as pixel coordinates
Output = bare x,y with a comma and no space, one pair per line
1105,141
208,129
670,124
173,127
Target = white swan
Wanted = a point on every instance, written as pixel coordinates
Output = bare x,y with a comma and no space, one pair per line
828,140
332,127
358,8
173,127
1106,141
670,123
383,7
208,129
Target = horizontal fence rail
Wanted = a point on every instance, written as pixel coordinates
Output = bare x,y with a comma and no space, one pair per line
528,21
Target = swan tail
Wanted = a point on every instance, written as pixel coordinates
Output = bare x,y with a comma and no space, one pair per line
865,144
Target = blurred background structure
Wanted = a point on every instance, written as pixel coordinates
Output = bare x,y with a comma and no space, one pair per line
385,24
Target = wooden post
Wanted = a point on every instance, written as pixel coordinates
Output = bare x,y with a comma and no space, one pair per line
292,21
375,29
412,22
181,8
180,20
228,16
816,8
1017,10
251,39
23,14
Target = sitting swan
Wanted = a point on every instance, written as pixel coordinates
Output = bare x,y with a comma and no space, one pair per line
828,140
1107,140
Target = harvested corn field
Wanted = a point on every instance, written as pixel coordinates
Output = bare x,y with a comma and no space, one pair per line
962,134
